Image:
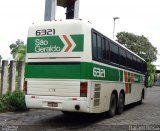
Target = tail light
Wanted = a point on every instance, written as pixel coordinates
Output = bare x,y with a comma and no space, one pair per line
25,87
83,89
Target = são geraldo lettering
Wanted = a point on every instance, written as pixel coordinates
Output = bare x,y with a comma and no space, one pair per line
41,46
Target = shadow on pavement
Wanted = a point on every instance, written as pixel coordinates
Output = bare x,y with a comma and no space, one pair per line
76,120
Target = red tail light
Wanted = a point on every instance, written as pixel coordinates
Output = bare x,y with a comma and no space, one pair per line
25,87
83,89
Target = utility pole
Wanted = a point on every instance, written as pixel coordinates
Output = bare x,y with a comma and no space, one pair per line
114,19
50,10
72,8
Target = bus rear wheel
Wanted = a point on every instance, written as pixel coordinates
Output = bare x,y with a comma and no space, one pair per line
113,105
142,97
120,106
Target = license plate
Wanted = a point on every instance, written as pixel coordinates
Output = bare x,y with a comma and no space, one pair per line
52,104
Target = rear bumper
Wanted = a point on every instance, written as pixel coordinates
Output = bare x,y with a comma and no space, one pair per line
63,103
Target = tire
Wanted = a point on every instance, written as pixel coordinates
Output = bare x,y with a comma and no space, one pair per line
113,106
120,106
141,100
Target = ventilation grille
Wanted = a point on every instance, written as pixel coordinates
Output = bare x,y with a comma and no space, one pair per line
97,94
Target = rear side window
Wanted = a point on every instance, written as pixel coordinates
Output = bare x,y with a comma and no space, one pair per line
122,57
99,45
109,52
138,64
129,60
144,67
94,45
114,53
105,49
134,64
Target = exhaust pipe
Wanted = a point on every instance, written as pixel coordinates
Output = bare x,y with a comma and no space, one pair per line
77,107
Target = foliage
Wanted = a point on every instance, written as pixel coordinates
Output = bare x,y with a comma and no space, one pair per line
12,101
138,44
151,69
4,105
18,50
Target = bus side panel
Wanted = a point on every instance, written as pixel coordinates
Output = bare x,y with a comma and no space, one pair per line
101,93
135,87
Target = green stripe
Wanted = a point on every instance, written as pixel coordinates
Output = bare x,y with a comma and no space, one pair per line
52,44
83,70
53,71
137,78
79,40
121,75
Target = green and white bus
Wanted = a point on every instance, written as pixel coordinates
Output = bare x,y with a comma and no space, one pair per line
71,67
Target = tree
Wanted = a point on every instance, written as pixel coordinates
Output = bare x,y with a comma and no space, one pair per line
18,50
151,69
139,45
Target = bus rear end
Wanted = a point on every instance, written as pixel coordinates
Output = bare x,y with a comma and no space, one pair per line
55,69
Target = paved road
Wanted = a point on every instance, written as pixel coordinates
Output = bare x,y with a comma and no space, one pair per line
46,120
